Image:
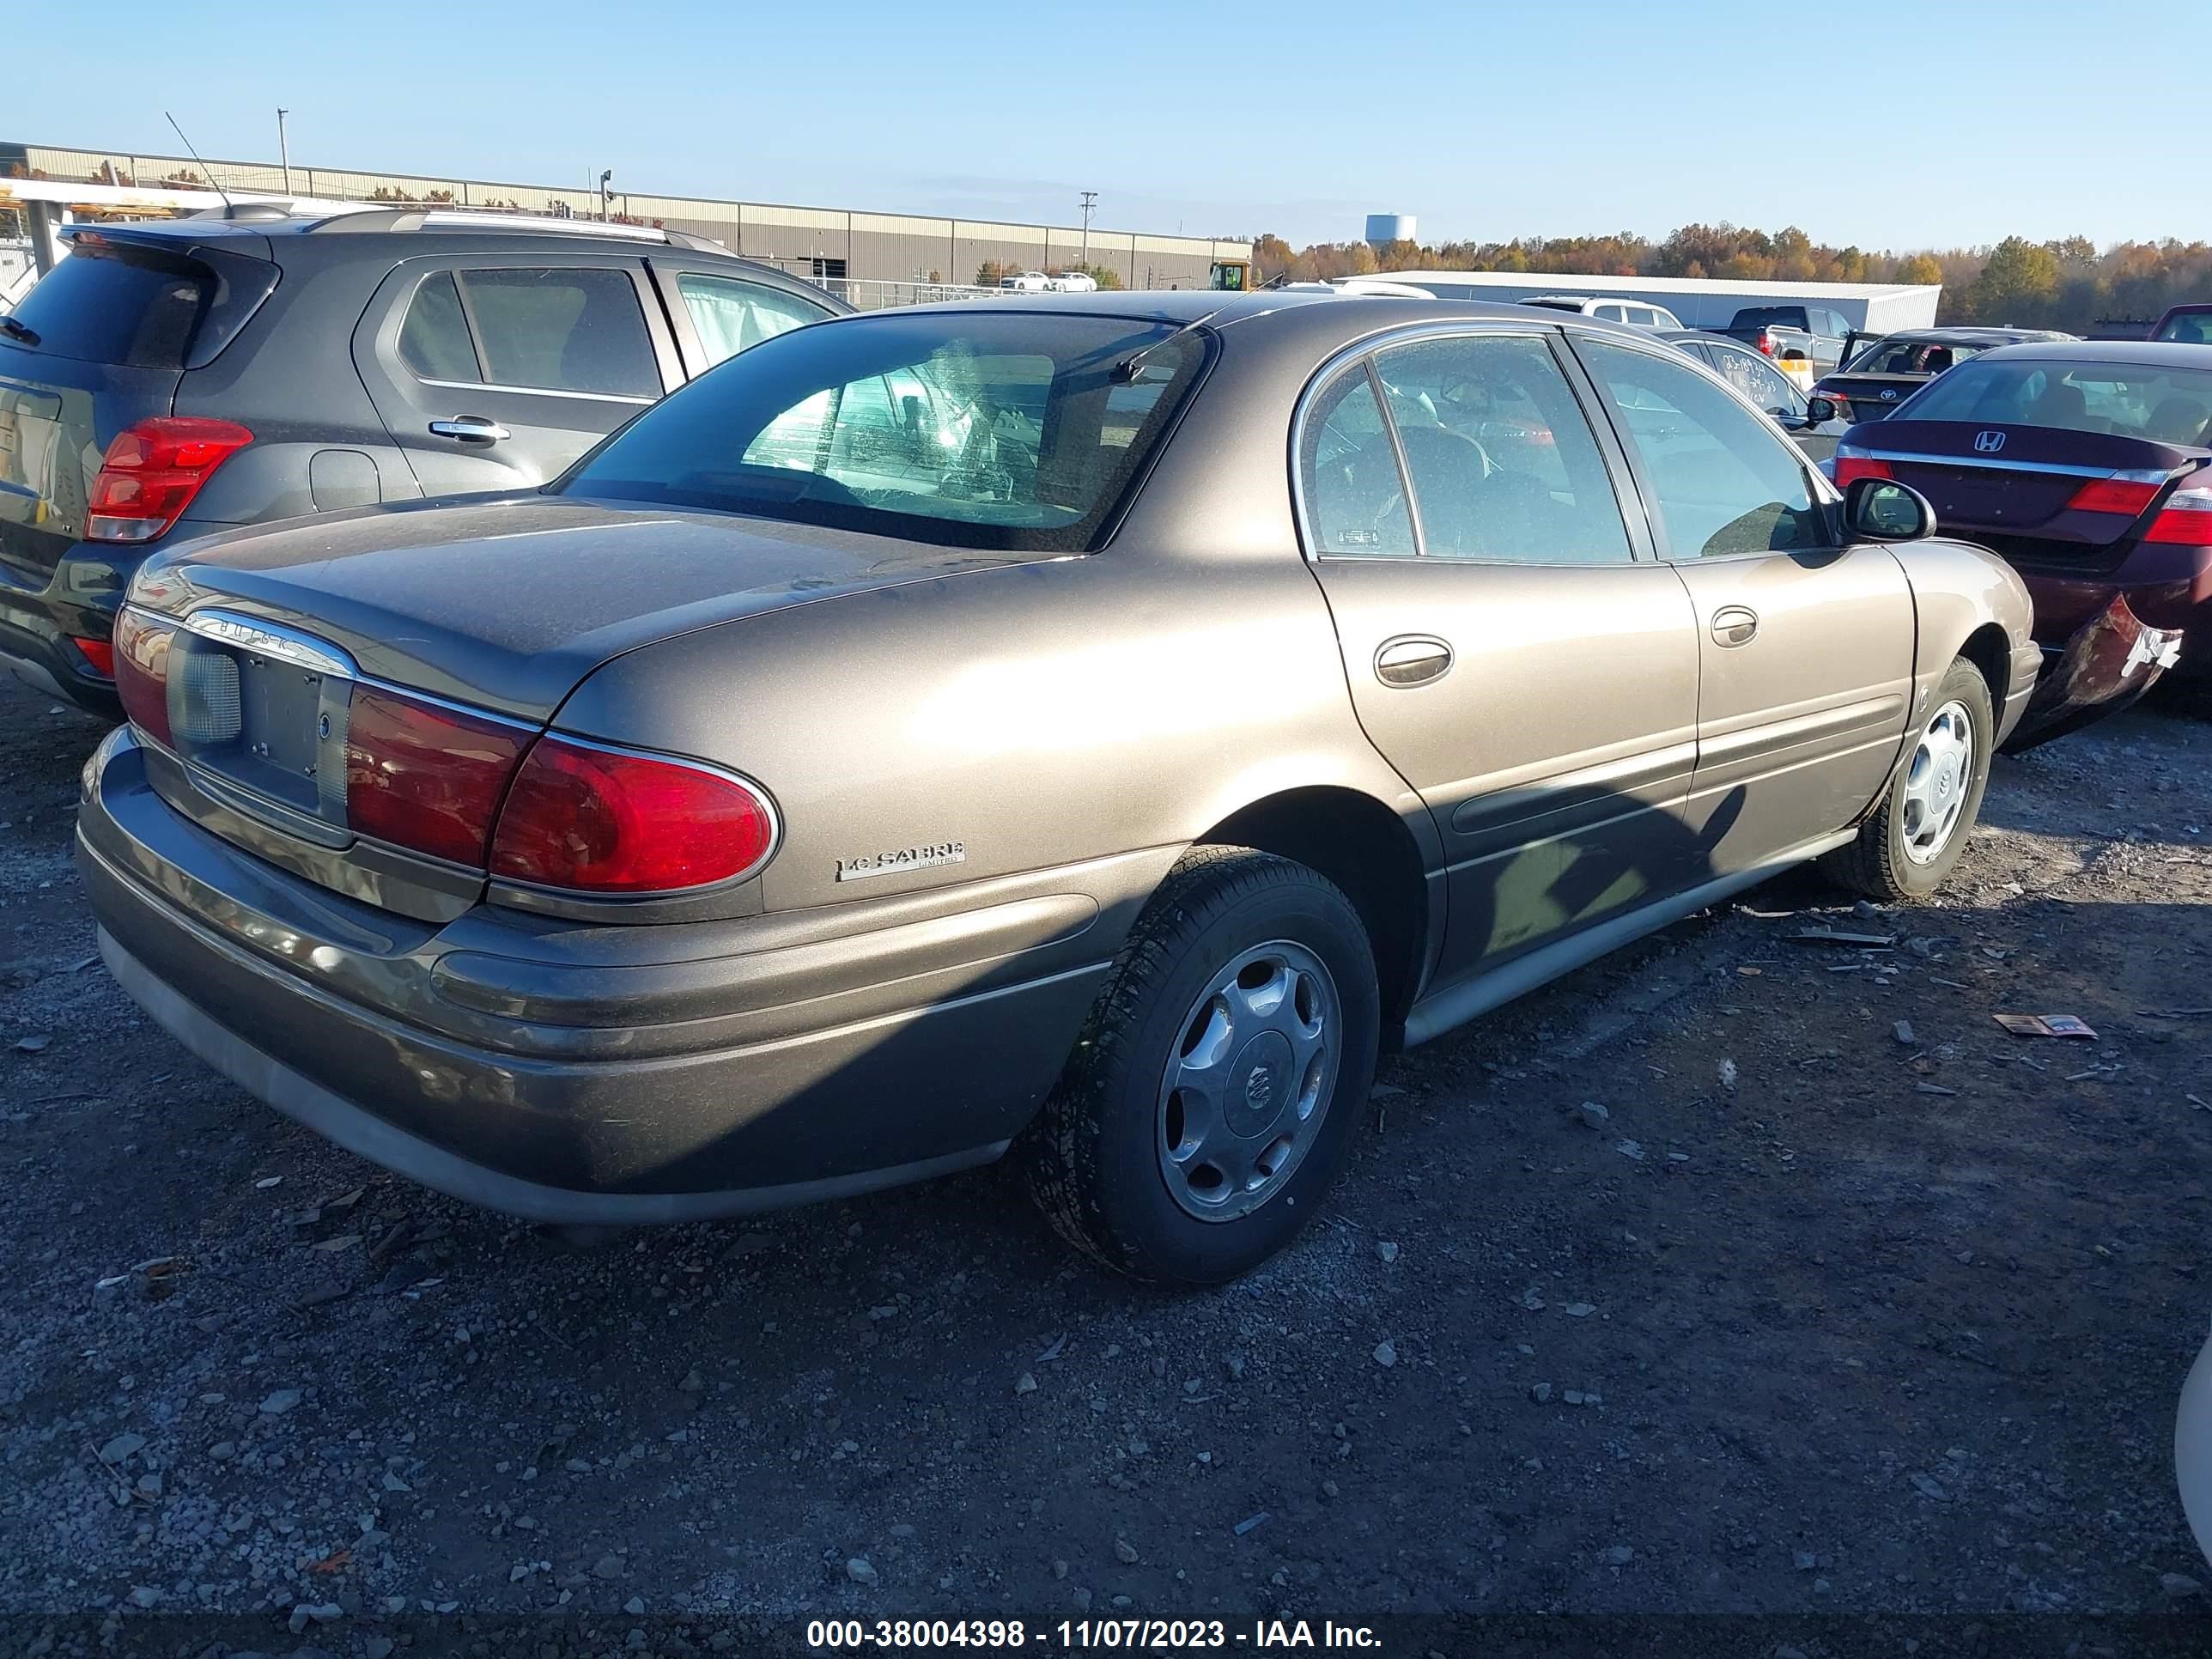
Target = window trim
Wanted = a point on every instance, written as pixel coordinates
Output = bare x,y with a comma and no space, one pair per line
1620,467
1825,495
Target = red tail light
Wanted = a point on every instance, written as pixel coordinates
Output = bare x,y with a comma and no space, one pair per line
612,821
100,654
1765,342
141,671
151,472
2124,496
2186,519
1852,465
426,777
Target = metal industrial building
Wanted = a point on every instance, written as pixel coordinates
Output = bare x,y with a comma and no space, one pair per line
1700,303
832,245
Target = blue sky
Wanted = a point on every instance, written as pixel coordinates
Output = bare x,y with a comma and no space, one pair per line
1886,125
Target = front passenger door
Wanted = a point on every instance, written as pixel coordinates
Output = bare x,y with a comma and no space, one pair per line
1805,647
1506,649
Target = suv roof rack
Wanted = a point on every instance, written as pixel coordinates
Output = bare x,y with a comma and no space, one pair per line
428,218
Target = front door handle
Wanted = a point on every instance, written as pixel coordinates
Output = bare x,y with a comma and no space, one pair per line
1734,624
1411,660
472,429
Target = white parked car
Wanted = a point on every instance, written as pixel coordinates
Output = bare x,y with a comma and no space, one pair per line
1075,282
1638,312
1029,282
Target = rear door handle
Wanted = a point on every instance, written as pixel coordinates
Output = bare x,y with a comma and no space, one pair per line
473,429
1734,624
1411,660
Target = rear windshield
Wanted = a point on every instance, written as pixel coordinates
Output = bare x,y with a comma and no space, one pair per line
998,430
1911,357
107,304
2166,405
2189,327
1771,317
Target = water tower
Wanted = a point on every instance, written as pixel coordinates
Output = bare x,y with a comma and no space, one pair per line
1385,228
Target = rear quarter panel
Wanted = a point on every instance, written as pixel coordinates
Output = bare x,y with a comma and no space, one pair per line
1038,715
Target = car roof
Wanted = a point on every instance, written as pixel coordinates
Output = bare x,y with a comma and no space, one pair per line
2133,354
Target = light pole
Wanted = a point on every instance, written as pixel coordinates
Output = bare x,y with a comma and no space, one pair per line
283,150
604,175
1089,201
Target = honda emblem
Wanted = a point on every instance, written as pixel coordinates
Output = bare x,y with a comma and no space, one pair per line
1988,443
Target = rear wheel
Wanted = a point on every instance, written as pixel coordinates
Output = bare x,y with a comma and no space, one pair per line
1906,848
1225,1067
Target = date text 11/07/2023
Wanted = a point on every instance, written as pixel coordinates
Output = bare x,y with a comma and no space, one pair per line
1070,1635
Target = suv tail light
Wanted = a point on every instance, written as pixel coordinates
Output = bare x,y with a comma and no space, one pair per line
1853,463
151,472
600,820
141,671
1765,342
425,776
2186,519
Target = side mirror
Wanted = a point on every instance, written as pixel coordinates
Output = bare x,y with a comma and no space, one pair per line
1884,510
1821,408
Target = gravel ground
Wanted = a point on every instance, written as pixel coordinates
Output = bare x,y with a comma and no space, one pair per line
1852,1303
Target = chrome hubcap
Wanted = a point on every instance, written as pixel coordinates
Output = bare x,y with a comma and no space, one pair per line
1245,1092
1937,781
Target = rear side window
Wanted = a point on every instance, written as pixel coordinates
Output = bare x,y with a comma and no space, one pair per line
2189,328
433,341
105,304
1760,381
730,316
562,331
1355,496
1504,467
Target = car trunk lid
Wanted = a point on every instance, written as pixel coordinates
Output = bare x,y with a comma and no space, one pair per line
417,653
1871,397
2011,483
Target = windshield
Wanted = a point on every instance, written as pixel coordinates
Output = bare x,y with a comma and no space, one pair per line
1911,357
2166,405
1004,430
1771,317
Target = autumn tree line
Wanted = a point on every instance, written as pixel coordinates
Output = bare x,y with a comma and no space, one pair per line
2068,283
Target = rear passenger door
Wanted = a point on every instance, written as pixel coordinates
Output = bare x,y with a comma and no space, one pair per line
1510,647
495,371
1805,646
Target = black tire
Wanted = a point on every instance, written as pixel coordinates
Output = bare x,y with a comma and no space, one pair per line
1877,863
1092,1160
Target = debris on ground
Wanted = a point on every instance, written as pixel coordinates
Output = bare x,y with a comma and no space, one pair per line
2045,1025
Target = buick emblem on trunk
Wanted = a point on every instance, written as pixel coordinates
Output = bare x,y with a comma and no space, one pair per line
1988,443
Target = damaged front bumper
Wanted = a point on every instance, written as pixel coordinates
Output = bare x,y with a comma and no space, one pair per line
2107,665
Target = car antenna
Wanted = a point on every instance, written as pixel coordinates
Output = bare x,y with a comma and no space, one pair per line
229,207
1125,372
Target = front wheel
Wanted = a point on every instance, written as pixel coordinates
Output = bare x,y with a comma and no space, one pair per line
1227,1063
1906,847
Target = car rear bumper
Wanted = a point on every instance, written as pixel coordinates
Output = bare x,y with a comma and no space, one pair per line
608,1075
34,647
2165,587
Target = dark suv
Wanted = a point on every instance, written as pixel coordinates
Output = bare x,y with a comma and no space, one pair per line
170,379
